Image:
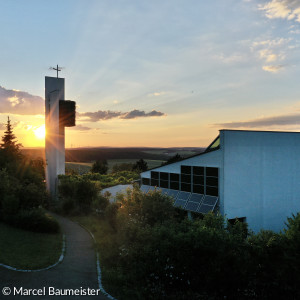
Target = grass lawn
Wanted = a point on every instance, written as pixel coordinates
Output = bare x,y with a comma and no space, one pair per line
28,250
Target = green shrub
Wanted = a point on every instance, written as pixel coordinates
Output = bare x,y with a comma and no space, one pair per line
33,220
111,214
100,204
31,196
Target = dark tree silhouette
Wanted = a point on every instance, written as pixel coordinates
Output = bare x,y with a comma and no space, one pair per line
173,159
9,145
140,165
100,167
9,139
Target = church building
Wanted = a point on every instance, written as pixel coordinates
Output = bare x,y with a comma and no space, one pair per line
250,175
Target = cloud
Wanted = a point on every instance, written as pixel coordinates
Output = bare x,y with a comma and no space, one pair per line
81,128
2,126
100,115
283,120
21,103
273,69
107,115
271,51
228,59
140,113
283,9
156,94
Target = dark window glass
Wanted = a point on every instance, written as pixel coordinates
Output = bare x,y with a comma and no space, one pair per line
146,181
185,178
164,176
198,189
212,172
154,182
174,177
164,184
198,179
186,169
174,185
236,220
154,175
213,181
185,187
212,191
198,170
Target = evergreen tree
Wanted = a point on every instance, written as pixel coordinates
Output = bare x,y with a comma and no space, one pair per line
140,166
100,167
9,148
9,142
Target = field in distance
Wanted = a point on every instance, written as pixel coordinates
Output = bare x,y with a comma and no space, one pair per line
86,167
88,155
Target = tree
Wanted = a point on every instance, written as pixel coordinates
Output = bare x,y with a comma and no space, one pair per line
140,166
173,159
100,167
9,145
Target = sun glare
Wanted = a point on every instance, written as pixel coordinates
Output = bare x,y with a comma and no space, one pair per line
40,132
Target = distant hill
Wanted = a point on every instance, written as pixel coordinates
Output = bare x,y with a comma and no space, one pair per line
92,154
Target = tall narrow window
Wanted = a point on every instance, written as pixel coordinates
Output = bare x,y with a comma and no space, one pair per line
164,180
212,181
174,181
186,178
154,178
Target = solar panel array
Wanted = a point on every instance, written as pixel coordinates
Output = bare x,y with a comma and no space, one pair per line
189,201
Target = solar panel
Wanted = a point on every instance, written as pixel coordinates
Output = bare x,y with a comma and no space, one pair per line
210,200
173,193
183,195
164,191
151,188
208,204
194,202
180,203
182,199
204,208
144,188
196,198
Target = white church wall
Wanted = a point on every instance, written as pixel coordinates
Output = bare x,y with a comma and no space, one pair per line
261,177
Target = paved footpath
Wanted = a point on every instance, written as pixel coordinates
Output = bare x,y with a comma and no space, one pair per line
77,270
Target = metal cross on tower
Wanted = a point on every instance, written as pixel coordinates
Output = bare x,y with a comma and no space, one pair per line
57,69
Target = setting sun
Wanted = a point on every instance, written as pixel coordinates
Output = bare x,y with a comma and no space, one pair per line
40,132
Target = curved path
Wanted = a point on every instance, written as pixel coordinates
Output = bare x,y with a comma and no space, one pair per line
77,270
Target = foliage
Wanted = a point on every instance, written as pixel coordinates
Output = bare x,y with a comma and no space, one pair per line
77,192
100,167
122,167
33,220
153,252
173,159
22,187
140,166
9,145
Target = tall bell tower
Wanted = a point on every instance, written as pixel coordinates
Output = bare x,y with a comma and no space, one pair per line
59,113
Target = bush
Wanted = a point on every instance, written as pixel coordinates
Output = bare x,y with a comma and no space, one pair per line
34,220
77,191
100,204
111,212
100,167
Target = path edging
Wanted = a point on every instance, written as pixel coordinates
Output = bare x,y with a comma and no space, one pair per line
62,255
101,288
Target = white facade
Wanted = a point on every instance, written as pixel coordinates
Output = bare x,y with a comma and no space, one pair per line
55,134
258,176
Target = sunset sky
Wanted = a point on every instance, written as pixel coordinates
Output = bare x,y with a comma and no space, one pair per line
157,73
